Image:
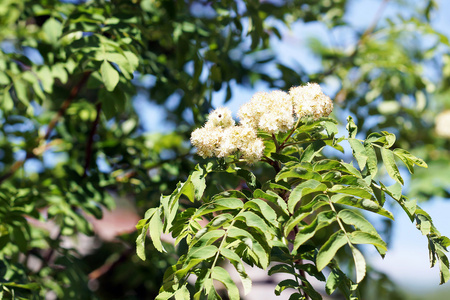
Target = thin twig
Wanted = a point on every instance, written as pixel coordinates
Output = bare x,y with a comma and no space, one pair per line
91,140
283,144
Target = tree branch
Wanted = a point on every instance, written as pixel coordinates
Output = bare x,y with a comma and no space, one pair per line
39,149
62,110
91,140
110,264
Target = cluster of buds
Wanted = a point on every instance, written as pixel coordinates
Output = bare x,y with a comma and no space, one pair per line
270,112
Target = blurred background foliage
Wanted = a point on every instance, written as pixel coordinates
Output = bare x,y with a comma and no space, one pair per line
79,164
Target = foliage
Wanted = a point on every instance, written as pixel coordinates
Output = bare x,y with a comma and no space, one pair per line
74,141
278,221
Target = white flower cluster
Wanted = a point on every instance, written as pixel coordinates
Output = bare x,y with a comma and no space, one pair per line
310,101
270,112
220,137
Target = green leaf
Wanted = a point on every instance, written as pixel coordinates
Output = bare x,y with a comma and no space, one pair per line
201,252
164,295
28,286
219,204
170,207
202,239
198,179
296,296
188,189
390,138
8,103
46,80
330,127
271,185
372,162
254,243
350,190
304,211
443,262
110,76
58,71
351,169
156,229
337,279
360,264
303,189
423,224
359,152
284,158
359,237
281,268
236,262
268,212
220,220
255,221
182,293
148,214
329,164
249,178
220,274
322,220
140,243
20,87
309,290
273,198
395,190
233,194
409,206
311,270
297,172
329,249
351,217
312,151
53,30
384,138
391,167
409,160
365,204
285,284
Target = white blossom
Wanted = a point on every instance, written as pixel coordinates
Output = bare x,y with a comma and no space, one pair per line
270,112
253,151
250,113
220,117
310,101
207,140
